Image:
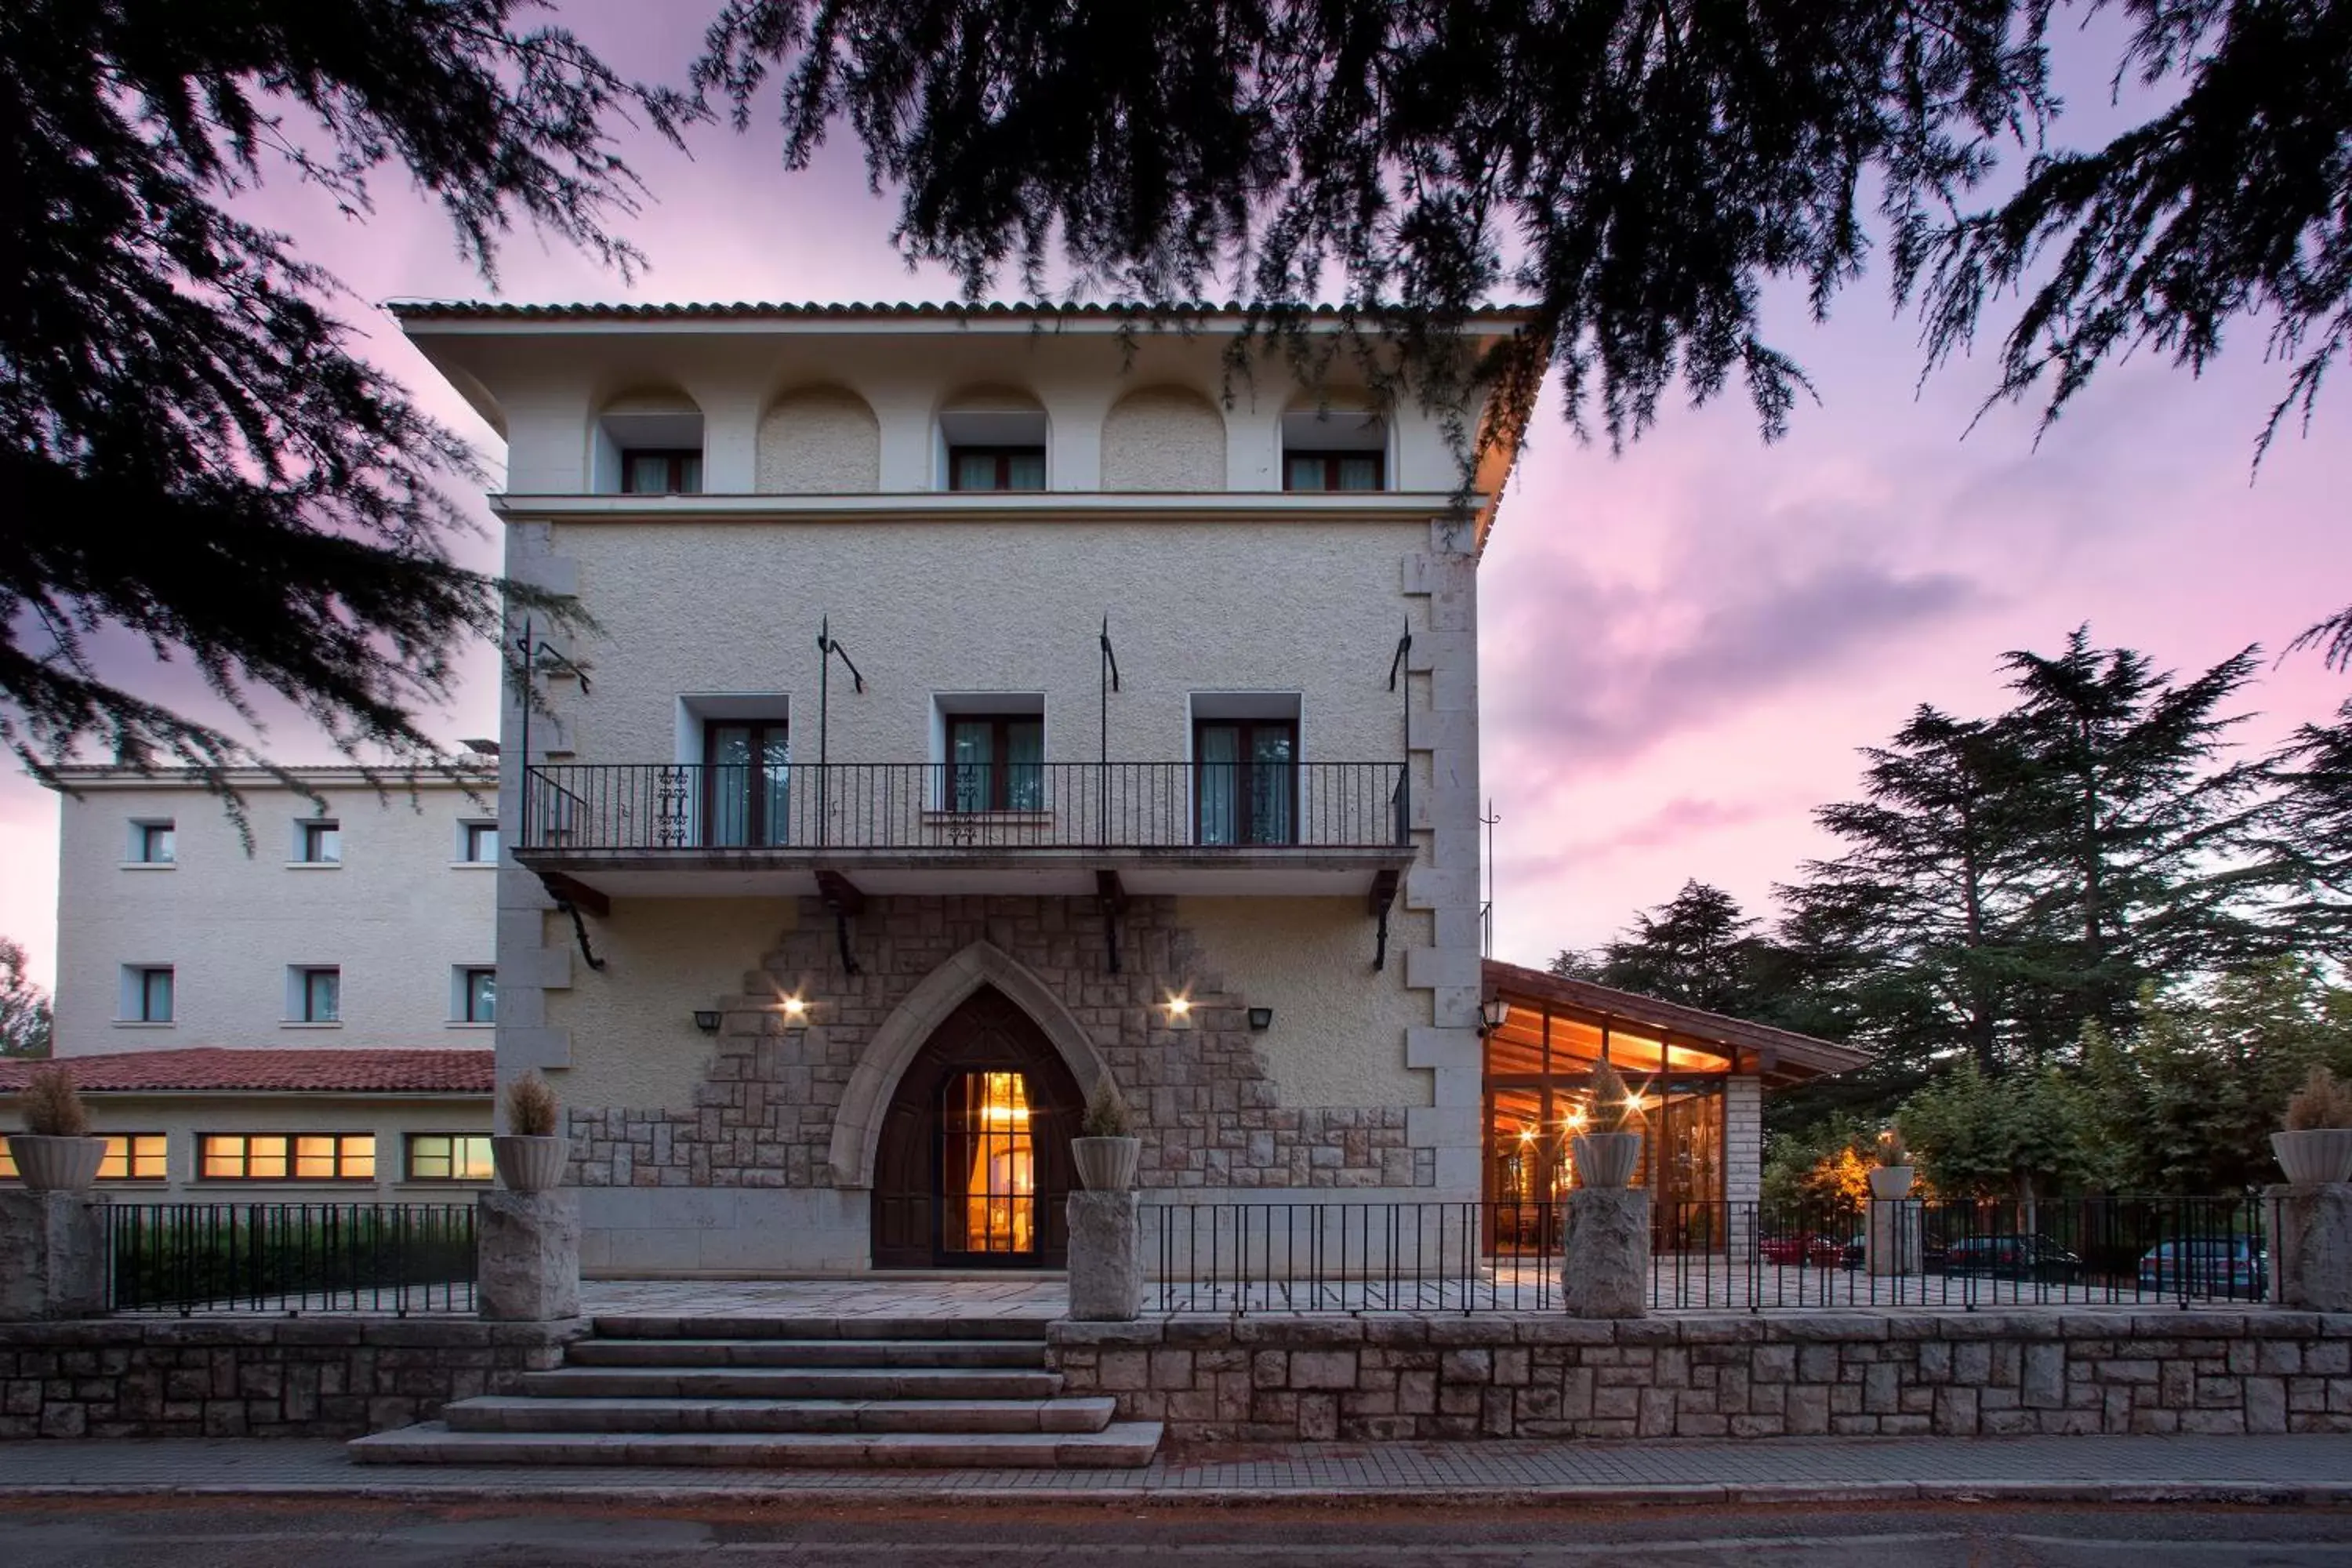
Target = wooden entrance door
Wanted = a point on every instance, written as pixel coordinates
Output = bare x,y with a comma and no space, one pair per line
973,1166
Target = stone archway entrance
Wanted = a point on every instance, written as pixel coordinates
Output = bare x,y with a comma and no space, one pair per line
972,1167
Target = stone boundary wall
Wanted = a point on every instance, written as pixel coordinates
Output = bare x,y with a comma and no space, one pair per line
1303,1379
257,1378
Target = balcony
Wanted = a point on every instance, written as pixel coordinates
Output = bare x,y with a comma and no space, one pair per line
671,830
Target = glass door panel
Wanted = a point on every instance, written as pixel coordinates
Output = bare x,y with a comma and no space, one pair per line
746,792
989,1165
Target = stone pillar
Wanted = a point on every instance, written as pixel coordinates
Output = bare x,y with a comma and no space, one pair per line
528,1252
52,1256
1892,1236
2311,1247
1106,1258
1605,1265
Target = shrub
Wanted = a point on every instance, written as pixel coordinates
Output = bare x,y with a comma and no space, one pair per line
532,1107
2322,1103
1614,1108
1107,1113
51,1106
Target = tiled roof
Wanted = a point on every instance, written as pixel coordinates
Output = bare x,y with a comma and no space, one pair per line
206,1069
879,310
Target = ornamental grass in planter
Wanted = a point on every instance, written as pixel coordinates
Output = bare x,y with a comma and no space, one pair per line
1608,1157
54,1153
2316,1149
1892,1177
1107,1151
529,1155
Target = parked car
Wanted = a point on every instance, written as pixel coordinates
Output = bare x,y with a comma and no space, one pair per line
2230,1266
2035,1257
1803,1250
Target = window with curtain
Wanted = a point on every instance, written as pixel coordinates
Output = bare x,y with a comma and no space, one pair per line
997,468
747,782
1331,471
996,762
1246,780
661,472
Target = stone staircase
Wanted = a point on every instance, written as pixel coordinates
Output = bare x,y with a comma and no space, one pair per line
810,1393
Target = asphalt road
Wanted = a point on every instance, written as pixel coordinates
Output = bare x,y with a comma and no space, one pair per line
199,1532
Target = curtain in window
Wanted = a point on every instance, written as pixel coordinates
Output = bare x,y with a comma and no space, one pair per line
1270,785
1025,471
751,774
1359,473
972,756
1024,773
1306,474
1220,771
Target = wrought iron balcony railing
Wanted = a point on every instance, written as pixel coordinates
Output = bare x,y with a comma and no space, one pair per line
1203,807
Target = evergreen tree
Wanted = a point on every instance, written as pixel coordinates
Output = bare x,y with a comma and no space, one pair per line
193,461
1697,947
1639,172
2145,828
1927,898
25,1017
2313,824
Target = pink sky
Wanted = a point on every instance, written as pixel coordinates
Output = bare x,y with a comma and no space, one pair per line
1682,647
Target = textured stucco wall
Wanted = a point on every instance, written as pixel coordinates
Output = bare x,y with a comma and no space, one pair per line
926,608
1163,438
1338,1027
396,915
185,1118
821,441
664,960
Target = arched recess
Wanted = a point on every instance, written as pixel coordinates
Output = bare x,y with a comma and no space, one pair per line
992,438
647,441
820,440
1163,438
857,1127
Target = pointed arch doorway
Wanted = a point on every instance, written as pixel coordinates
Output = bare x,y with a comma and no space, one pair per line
972,1167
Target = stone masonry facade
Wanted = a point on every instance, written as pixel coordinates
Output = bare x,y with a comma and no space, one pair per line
211,1377
1205,1106
1955,1374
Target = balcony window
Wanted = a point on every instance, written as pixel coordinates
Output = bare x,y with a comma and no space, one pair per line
1245,785
997,468
661,472
747,776
1334,449
1331,471
996,762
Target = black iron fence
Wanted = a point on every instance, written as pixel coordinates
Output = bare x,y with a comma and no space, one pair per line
1244,1257
290,1258
927,805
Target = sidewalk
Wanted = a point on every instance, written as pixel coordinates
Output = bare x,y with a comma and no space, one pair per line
2298,1469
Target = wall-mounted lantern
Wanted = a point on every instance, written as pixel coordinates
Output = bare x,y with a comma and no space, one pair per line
1261,1019
707,1020
1493,1013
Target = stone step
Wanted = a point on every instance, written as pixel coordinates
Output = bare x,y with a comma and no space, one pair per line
509,1413
1121,1445
688,1326
808,1353
790,1382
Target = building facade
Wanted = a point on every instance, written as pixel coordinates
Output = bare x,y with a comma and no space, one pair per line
297,997
969,710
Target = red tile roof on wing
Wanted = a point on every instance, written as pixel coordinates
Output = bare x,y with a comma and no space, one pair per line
206,1069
